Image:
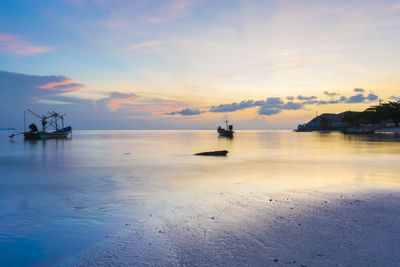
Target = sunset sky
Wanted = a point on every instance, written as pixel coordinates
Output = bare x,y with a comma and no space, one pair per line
190,64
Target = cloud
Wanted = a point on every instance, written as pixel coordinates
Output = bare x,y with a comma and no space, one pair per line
233,107
35,87
360,98
395,7
330,93
15,45
395,98
84,3
116,100
173,10
292,106
269,106
275,105
272,101
53,102
118,23
268,111
149,46
318,102
186,112
342,99
63,85
19,92
300,97
372,97
135,17
79,3
291,62
360,90
290,69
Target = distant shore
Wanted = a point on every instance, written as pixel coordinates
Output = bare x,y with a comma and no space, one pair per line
314,228
378,130
388,130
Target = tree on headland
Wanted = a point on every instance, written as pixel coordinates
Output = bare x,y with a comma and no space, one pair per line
379,114
382,113
324,122
351,119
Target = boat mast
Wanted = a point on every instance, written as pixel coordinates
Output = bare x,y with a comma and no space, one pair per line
55,118
43,118
226,125
24,121
43,123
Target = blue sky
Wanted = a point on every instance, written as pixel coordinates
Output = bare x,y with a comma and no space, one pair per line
181,64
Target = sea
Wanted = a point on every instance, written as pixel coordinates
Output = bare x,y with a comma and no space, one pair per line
59,197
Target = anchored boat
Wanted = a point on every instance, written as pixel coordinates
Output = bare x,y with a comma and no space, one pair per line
228,132
62,133
53,120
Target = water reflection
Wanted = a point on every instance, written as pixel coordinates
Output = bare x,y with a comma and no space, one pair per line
378,137
59,196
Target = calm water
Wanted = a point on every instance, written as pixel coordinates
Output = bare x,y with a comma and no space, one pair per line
60,196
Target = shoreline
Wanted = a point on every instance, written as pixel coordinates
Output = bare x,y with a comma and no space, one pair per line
313,228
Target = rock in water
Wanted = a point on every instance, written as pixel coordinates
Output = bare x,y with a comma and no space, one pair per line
213,153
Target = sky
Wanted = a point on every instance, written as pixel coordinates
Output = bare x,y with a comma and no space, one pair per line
191,64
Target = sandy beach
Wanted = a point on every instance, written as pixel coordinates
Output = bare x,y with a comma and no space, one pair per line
292,228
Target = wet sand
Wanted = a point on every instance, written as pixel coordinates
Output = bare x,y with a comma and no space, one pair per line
297,228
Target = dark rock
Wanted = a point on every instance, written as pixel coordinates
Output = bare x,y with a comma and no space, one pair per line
213,153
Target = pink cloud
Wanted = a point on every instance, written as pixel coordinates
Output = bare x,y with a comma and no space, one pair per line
13,44
117,100
118,23
145,45
148,47
66,85
395,7
153,107
115,104
143,107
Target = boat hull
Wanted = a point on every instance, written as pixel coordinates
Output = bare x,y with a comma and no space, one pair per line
225,133
59,134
